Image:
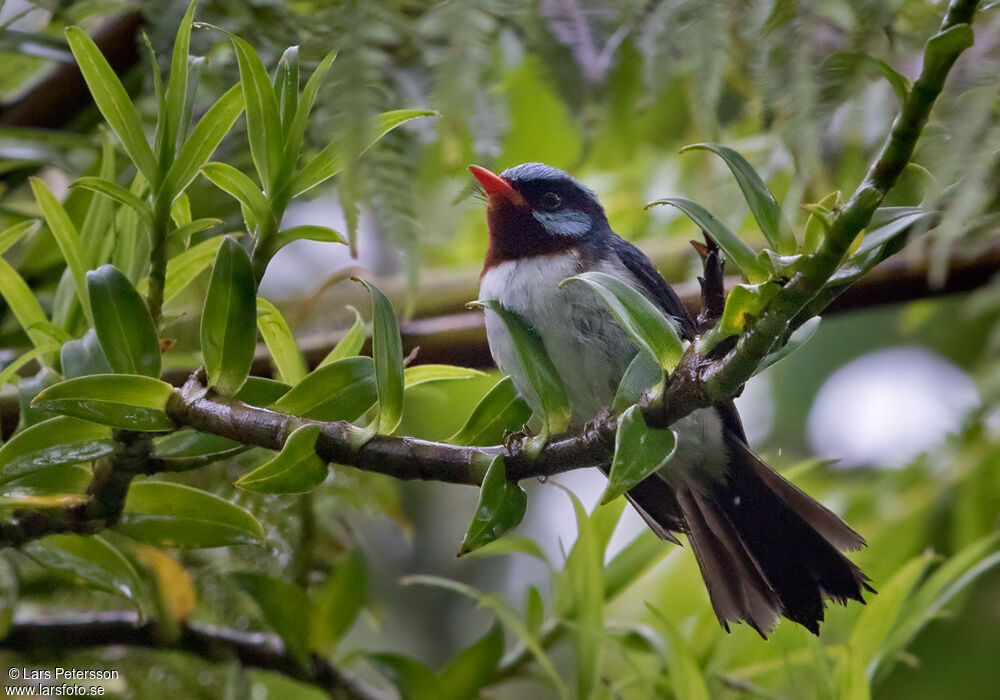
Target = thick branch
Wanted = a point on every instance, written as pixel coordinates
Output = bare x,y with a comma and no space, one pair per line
252,649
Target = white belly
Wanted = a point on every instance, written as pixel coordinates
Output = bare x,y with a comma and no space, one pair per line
588,348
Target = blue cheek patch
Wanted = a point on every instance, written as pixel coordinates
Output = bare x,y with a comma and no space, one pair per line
567,222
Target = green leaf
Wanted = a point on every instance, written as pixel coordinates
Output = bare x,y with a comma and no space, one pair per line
83,356
204,139
471,669
849,60
584,596
186,449
762,203
638,557
310,233
352,342
329,161
820,218
184,268
261,391
511,544
192,227
121,318
118,193
53,442
507,615
297,129
799,337
387,353
501,507
296,469
499,411
9,373
343,390
125,401
177,88
263,119
878,618
641,374
645,323
66,238
114,103
280,341
548,397
286,85
739,253
534,609
944,47
174,515
12,235
413,679
242,188
90,558
422,374
639,452
744,303
229,319
686,679
23,304
339,602
286,609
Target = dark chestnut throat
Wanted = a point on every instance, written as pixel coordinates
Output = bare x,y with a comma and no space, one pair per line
515,234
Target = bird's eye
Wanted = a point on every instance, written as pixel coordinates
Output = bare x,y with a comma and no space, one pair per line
551,201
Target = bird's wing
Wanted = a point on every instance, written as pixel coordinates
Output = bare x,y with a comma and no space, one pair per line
639,265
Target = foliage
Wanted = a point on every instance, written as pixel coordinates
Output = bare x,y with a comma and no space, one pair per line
153,233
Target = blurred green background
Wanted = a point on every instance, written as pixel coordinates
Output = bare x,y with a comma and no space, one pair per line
905,396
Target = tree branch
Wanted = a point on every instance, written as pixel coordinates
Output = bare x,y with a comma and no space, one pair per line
55,636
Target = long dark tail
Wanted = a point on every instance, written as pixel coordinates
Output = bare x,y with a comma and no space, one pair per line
764,547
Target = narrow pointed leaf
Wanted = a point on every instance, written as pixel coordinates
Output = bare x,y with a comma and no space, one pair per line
177,87
67,239
648,327
23,304
548,397
499,411
311,233
184,268
187,230
263,119
113,101
387,354
285,353
329,161
297,129
639,452
686,678
123,323
261,391
119,400
501,507
739,253
762,203
286,85
343,390
53,442
412,678
12,235
296,469
174,515
351,343
229,319
233,182
422,374
799,337
286,609
205,137
118,193
9,373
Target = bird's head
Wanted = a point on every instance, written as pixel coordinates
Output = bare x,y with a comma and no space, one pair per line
535,209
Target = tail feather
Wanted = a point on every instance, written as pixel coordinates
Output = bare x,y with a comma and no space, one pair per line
765,548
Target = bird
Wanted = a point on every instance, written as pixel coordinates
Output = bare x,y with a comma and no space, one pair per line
765,548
